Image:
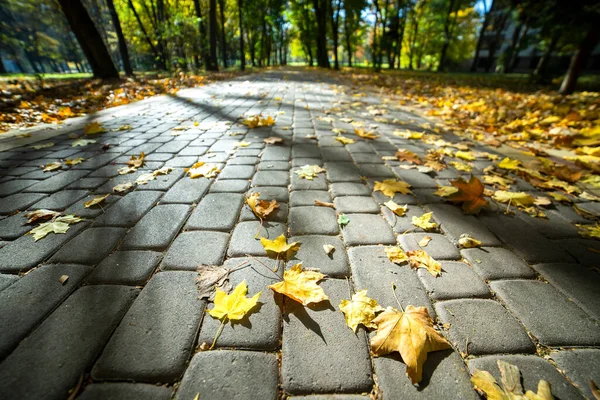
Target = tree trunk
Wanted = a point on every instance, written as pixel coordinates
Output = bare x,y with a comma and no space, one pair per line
157,57
347,37
89,39
540,69
122,44
241,26
335,23
578,61
212,36
514,58
2,67
448,30
321,16
223,42
202,34
486,23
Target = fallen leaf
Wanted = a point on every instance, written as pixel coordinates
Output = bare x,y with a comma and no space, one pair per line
320,203
57,225
461,166
93,128
519,199
343,220
594,389
364,134
424,222
82,142
123,187
63,279
95,201
74,161
511,388
280,247
497,180
162,171
124,128
126,170
589,231
242,144
424,241
406,134
41,214
409,156
470,194
396,255
309,171
465,155
261,208
145,178
344,140
390,187
396,208
360,310
411,334
273,140
467,241
420,259
301,285
136,162
53,166
201,169
509,164
42,146
234,306
328,249
445,191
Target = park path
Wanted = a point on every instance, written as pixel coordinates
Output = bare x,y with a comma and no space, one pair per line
128,321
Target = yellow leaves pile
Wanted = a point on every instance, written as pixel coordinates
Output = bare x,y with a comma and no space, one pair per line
309,171
390,187
202,169
256,121
411,334
301,285
511,388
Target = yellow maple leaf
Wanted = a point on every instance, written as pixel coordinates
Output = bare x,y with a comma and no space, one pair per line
202,169
280,247
519,199
590,231
511,388
234,306
390,187
424,222
53,166
360,310
445,191
465,155
58,225
273,140
309,171
301,285
344,140
420,259
411,334
396,208
509,164
396,255
95,201
74,161
364,134
93,128
406,134
461,166
136,162
145,178
261,208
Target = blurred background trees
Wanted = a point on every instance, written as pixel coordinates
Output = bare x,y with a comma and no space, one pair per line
542,38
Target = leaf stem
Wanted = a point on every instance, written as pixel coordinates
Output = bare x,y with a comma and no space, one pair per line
223,321
264,265
259,228
396,297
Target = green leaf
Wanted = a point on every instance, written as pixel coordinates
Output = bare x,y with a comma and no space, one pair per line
343,220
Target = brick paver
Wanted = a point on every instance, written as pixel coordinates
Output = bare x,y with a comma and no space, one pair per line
129,310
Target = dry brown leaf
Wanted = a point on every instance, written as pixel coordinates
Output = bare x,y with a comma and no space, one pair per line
420,259
261,208
320,203
470,194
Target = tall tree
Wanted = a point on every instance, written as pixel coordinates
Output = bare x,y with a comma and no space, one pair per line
121,39
212,36
89,39
320,8
482,32
223,35
579,60
241,27
335,6
449,24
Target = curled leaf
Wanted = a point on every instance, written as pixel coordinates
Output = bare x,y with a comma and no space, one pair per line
396,255
261,208
396,208
301,285
95,201
424,222
420,259
467,241
360,310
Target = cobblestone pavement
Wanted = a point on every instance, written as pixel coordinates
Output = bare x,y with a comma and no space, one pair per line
128,321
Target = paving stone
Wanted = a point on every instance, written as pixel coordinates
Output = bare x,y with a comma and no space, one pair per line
415,178
439,247
276,153
581,366
207,369
526,241
25,253
312,255
372,270
279,215
72,337
162,182
547,314
7,280
87,183
585,251
187,191
14,227
130,209
300,162
274,166
342,172
497,263
27,301
243,161
533,369
230,186
349,189
261,330
89,247
125,391
195,248
79,209
319,352
317,183
313,220
181,161
237,172
444,372
454,223
427,196
457,280
335,154
269,193
580,284
243,241
216,211
126,268
19,201
157,228
553,226
154,340
172,147
331,397
271,178
15,186
367,158
57,182
356,204
60,200
308,197
376,171
364,229
485,325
